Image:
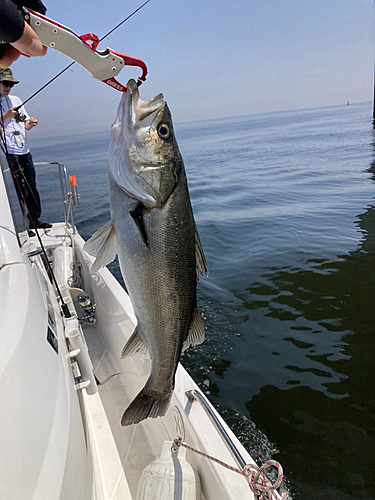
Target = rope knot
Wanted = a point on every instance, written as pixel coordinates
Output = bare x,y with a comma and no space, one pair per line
176,443
259,484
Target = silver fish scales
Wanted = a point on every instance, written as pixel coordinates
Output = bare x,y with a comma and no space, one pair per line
152,229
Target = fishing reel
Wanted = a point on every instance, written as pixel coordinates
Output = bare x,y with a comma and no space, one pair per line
88,310
20,117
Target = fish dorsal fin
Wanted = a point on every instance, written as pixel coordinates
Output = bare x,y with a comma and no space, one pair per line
199,256
135,345
196,332
103,245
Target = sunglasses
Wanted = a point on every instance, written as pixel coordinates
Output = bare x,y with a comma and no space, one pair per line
8,84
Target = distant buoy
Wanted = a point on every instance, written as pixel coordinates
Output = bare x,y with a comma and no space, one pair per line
347,103
170,476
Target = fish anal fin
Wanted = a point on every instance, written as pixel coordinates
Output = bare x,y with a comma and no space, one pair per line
135,345
199,256
103,245
196,332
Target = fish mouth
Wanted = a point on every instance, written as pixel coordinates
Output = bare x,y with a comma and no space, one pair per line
141,110
133,115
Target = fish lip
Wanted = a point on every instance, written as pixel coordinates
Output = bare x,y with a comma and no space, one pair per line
133,91
140,110
134,114
148,113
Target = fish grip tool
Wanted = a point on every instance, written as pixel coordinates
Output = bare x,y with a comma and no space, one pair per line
103,65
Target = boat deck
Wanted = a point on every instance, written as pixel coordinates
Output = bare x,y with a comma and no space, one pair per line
116,448
120,453
54,237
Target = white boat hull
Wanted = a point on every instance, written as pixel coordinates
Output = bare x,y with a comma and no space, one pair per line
58,442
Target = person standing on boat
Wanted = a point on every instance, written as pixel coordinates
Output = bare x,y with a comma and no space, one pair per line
16,122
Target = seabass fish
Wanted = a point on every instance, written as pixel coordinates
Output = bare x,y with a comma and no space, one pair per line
152,229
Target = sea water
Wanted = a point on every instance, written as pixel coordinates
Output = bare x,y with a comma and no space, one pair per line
284,204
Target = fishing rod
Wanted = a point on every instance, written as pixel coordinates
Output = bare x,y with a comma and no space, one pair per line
23,188
86,39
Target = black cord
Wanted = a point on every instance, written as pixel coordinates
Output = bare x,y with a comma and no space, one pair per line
44,86
71,64
122,22
15,176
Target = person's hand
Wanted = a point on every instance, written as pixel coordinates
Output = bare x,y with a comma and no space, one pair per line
9,113
33,122
19,35
29,44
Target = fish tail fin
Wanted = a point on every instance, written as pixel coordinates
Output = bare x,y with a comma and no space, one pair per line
147,404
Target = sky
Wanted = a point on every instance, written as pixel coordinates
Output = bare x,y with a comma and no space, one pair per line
210,58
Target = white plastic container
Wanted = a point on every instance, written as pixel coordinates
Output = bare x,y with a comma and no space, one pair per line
169,477
62,264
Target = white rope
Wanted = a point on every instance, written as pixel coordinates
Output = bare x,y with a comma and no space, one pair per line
75,280
259,484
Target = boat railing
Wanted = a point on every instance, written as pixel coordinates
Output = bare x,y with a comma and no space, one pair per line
195,395
66,192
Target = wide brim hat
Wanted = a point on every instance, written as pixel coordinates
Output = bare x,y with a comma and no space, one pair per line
6,75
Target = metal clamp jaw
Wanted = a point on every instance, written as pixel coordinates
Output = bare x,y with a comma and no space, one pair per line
103,65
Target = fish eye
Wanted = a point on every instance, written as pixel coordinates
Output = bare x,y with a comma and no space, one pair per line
164,131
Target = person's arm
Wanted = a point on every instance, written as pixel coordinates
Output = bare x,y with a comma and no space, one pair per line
29,124
16,35
9,113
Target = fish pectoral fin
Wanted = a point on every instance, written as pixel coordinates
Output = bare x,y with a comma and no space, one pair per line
135,345
137,215
103,245
196,332
199,256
